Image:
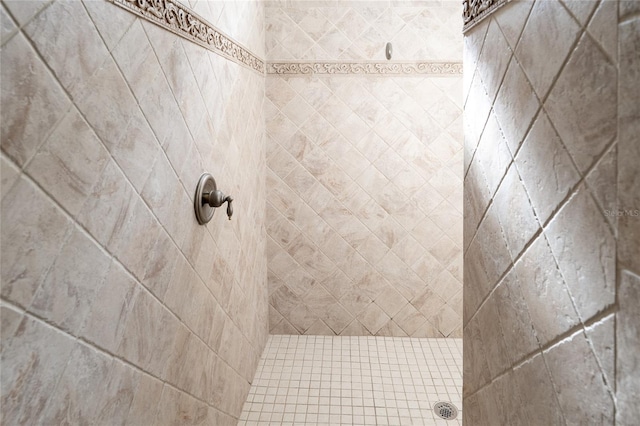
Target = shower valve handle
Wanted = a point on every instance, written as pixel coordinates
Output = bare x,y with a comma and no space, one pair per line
216,198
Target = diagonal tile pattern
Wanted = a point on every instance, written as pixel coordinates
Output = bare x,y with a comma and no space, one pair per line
360,31
364,205
540,236
110,288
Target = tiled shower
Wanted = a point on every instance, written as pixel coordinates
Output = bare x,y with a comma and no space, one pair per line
334,294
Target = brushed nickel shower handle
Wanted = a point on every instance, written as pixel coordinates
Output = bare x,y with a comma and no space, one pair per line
217,198
208,198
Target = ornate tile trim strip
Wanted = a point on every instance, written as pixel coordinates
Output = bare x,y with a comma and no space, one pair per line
475,11
368,68
184,22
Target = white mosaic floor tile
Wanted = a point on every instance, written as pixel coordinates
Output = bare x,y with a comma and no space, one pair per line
328,380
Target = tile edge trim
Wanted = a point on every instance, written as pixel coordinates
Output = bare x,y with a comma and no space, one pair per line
184,22
365,68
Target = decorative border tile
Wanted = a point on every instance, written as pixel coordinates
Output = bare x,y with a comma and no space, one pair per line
184,22
368,68
475,11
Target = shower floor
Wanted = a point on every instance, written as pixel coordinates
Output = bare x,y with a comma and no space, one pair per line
322,380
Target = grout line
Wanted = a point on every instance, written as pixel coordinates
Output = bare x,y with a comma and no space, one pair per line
477,60
555,387
581,327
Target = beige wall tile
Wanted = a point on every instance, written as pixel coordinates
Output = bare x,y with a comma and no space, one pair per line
373,318
513,314
516,216
9,173
546,169
30,246
496,350
580,235
73,55
545,293
559,151
155,106
515,105
105,323
580,9
601,336
69,179
32,102
493,155
33,364
145,400
536,388
495,50
25,11
602,181
582,106
114,196
594,402
549,32
512,19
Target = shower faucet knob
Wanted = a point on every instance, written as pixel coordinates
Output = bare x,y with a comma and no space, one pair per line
217,198
208,198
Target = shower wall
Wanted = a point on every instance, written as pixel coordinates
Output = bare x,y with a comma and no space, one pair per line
552,214
116,306
364,179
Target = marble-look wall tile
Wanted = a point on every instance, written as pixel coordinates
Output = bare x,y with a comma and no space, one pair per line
564,207
359,31
109,287
364,205
537,393
549,32
69,290
582,104
594,403
70,404
73,55
25,11
580,235
547,171
69,179
32,363
545,293
105,324
30,245
515,213
32,102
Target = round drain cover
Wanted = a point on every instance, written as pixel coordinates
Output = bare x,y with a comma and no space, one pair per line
445,410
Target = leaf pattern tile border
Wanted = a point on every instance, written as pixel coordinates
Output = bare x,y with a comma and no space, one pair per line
184,22
368,68
475,11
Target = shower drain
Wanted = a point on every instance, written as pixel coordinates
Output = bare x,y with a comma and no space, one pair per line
445,410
